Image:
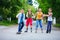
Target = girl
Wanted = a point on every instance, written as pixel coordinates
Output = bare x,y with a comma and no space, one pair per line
39,17
49,24
29,20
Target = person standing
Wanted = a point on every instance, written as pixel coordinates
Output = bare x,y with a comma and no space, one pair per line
39,17
29,20
21,18
49,23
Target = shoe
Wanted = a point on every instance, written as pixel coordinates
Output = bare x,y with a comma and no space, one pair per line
26,31
42,30
49,31
35,31
18,33
46,31
31,31
21,31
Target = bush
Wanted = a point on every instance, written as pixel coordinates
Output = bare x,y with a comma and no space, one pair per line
58,20
57,25
7,23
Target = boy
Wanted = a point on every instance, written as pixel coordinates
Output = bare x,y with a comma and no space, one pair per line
21,18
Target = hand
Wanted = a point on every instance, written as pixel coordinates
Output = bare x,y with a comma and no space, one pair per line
45,15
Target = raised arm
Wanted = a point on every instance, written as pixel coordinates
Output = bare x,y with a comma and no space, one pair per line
17,15
45,15
27,14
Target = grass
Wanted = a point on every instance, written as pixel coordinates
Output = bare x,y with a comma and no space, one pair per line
7,23
57,25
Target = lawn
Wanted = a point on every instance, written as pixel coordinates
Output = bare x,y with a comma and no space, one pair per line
57,25
7,23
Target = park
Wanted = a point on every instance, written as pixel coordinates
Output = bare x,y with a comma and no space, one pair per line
9,25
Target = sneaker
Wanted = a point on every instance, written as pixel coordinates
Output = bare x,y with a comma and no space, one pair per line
31,31
42,30
26,31
49,31
46,31
35,31
18,33
21,31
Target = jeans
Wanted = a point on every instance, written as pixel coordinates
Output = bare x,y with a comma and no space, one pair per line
21,25
49,26
39,22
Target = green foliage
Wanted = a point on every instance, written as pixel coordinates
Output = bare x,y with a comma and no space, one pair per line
8,23
44,5
29,7
57,25
56,9
54,4
9,8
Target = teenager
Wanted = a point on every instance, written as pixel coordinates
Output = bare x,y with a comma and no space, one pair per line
21,18
29,20
39,17
49,23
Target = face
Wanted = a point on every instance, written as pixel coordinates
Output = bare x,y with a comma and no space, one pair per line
39,10
22,11
29,10
50,10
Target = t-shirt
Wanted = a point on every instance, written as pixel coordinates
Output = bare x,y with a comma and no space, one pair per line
50,17
21,17
39,15
29,15
21,20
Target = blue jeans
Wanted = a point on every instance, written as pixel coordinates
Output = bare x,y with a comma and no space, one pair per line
21,25
39,22
49,26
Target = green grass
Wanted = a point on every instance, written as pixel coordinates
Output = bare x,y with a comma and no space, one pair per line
57,25
7,23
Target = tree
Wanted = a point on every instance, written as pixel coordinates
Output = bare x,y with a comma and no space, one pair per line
54,4
9,8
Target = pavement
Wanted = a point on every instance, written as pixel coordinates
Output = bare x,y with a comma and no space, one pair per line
9,33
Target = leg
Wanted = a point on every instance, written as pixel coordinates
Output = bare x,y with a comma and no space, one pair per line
40,23
19,27
50,27
47,27
36,25
27,23
22,25
30,24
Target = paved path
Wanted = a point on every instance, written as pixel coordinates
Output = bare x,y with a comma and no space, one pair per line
9,33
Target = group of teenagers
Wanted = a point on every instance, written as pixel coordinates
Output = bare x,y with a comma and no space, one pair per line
38,15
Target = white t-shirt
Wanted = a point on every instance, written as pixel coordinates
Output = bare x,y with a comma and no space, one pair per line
19,17
50,18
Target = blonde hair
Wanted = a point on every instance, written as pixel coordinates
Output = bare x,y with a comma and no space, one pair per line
39,10
50,9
